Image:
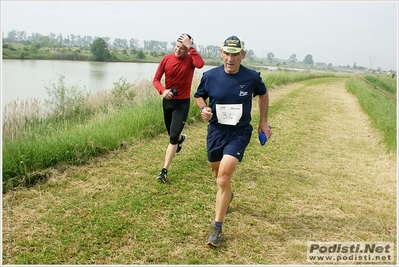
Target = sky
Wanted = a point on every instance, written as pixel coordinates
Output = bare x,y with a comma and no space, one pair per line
337,32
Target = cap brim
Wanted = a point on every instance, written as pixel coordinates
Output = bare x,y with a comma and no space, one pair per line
232,50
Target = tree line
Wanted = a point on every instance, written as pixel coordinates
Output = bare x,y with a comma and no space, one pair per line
54,40
86,42
58,41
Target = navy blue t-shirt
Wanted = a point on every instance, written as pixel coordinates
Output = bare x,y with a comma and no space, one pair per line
223,88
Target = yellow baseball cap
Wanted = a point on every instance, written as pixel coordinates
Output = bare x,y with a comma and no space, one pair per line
233,45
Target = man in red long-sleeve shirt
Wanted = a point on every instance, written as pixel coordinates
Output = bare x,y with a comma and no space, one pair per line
178,68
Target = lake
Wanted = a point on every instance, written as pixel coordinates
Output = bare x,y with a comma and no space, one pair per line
25,79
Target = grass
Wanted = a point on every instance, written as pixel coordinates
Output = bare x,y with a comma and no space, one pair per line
71,128
33,141
379,107
284,77
323,176
387,84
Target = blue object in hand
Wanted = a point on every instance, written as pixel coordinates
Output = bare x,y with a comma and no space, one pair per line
263,137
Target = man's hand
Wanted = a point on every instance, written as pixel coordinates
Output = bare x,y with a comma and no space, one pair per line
167,94
264,135
187,41
264,127
206,113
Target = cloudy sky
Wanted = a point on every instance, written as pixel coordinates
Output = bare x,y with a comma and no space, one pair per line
340,33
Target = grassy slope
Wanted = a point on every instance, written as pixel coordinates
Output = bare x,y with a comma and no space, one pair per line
323,177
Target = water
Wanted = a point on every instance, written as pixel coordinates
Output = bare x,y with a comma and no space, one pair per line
272,68
26,79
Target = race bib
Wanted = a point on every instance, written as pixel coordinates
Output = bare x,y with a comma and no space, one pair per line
229,114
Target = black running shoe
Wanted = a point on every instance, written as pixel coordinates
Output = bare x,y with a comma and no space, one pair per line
162,175
215,236
180,143
228,208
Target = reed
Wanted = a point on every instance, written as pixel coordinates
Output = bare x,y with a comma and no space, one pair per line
22,116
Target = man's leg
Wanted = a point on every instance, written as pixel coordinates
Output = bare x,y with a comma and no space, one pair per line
175,119
170,154
177,122
224,171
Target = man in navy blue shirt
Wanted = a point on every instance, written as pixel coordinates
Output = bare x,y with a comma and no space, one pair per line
230,89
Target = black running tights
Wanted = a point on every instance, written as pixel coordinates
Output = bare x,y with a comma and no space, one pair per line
175,113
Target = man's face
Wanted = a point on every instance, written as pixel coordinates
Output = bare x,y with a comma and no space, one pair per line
180,50
231,61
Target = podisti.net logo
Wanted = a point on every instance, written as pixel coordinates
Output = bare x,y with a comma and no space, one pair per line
350,252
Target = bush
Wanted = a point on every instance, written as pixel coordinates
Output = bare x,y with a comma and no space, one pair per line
122,93
64,101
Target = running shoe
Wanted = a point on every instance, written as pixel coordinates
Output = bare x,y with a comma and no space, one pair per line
180,143
228,208
162,175
215,236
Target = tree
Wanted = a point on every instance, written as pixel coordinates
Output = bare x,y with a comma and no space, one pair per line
87,40
134,43
52,36
67,40
164,45
270,56
120,43
59,38
73,37
308,59
212,50
12,35
354,65
173,44
42,41
100,49
79,39
292,58
106,39
141,54
154,45
250,54
22,36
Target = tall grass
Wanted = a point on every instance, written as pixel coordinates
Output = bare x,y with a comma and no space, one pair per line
74,144
273,78
380,109
22,116
70,129
387,84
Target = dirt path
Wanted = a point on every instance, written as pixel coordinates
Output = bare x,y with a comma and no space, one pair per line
323,177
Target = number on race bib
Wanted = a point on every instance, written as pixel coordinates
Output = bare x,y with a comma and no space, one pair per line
229,114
